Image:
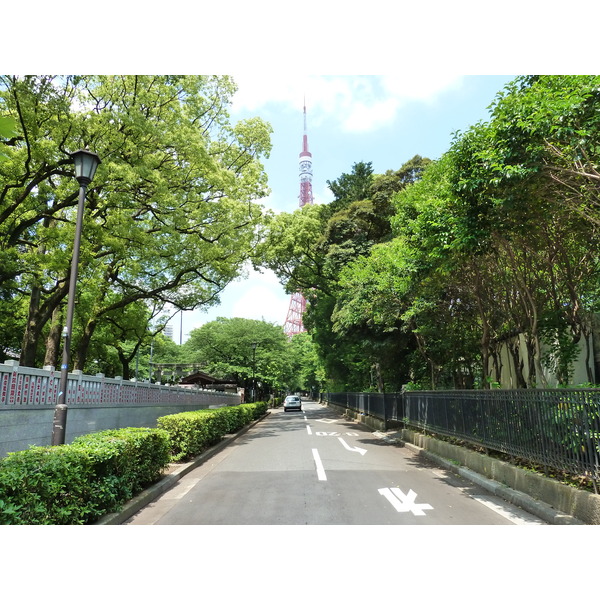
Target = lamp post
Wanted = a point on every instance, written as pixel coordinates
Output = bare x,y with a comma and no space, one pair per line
86,163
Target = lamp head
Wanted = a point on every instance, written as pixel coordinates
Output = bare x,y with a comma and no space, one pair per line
86,163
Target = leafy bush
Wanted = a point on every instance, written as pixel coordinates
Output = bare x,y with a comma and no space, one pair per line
138,455
78,483
194,431
189,433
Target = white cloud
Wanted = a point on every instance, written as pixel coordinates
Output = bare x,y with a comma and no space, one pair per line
358,103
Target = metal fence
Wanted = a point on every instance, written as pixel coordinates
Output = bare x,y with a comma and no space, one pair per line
388,407
28,387
556,428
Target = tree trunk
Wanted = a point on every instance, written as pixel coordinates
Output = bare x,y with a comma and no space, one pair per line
485,357
32,329
39,314
514,349
125,361
53,339
80,354
380,385
540,378
587,336
497,361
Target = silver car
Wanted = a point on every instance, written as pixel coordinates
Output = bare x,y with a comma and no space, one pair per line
292,402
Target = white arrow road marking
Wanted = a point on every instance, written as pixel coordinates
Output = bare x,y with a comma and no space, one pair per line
362,451
320,470
404,503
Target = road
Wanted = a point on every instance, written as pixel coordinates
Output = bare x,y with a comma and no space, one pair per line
316,468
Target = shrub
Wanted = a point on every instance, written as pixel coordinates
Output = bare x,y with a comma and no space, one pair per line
78,483
138,457
194,431
259,408
189,432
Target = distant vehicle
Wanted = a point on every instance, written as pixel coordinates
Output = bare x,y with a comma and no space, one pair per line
292,402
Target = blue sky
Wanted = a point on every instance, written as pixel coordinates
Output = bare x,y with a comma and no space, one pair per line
385,120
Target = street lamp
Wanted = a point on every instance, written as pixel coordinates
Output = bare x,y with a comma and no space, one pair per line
86,163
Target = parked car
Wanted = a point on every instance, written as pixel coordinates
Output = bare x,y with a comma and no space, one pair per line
292,402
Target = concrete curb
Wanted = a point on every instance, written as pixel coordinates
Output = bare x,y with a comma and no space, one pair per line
168,481
536,507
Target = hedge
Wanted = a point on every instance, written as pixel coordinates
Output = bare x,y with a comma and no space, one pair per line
78,483
192,432
97,473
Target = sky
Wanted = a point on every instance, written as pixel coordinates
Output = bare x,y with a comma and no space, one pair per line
382,119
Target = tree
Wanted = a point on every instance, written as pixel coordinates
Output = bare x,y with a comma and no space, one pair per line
307,373
546,137
308,250
246,351
255,352
350,187
171,214
8,127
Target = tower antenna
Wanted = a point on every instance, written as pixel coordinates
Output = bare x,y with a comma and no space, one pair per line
293,322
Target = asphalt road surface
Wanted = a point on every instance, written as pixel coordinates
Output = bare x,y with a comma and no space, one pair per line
314,467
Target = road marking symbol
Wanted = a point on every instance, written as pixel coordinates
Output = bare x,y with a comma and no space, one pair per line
320,470
327,420
361,451
404,503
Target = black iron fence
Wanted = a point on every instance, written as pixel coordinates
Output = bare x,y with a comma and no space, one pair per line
556,428
388,407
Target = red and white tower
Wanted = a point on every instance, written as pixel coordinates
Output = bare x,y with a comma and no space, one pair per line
293,322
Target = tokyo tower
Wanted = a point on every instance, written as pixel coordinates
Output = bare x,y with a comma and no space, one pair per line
293,322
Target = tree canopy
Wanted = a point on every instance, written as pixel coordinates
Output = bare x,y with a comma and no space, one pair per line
446,273
494,248
465,271
171,215
255,354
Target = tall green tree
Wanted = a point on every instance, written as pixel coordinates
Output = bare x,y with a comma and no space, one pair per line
308,250
171,215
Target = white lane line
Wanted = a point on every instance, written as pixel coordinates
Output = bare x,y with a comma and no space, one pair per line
320,470
309,430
